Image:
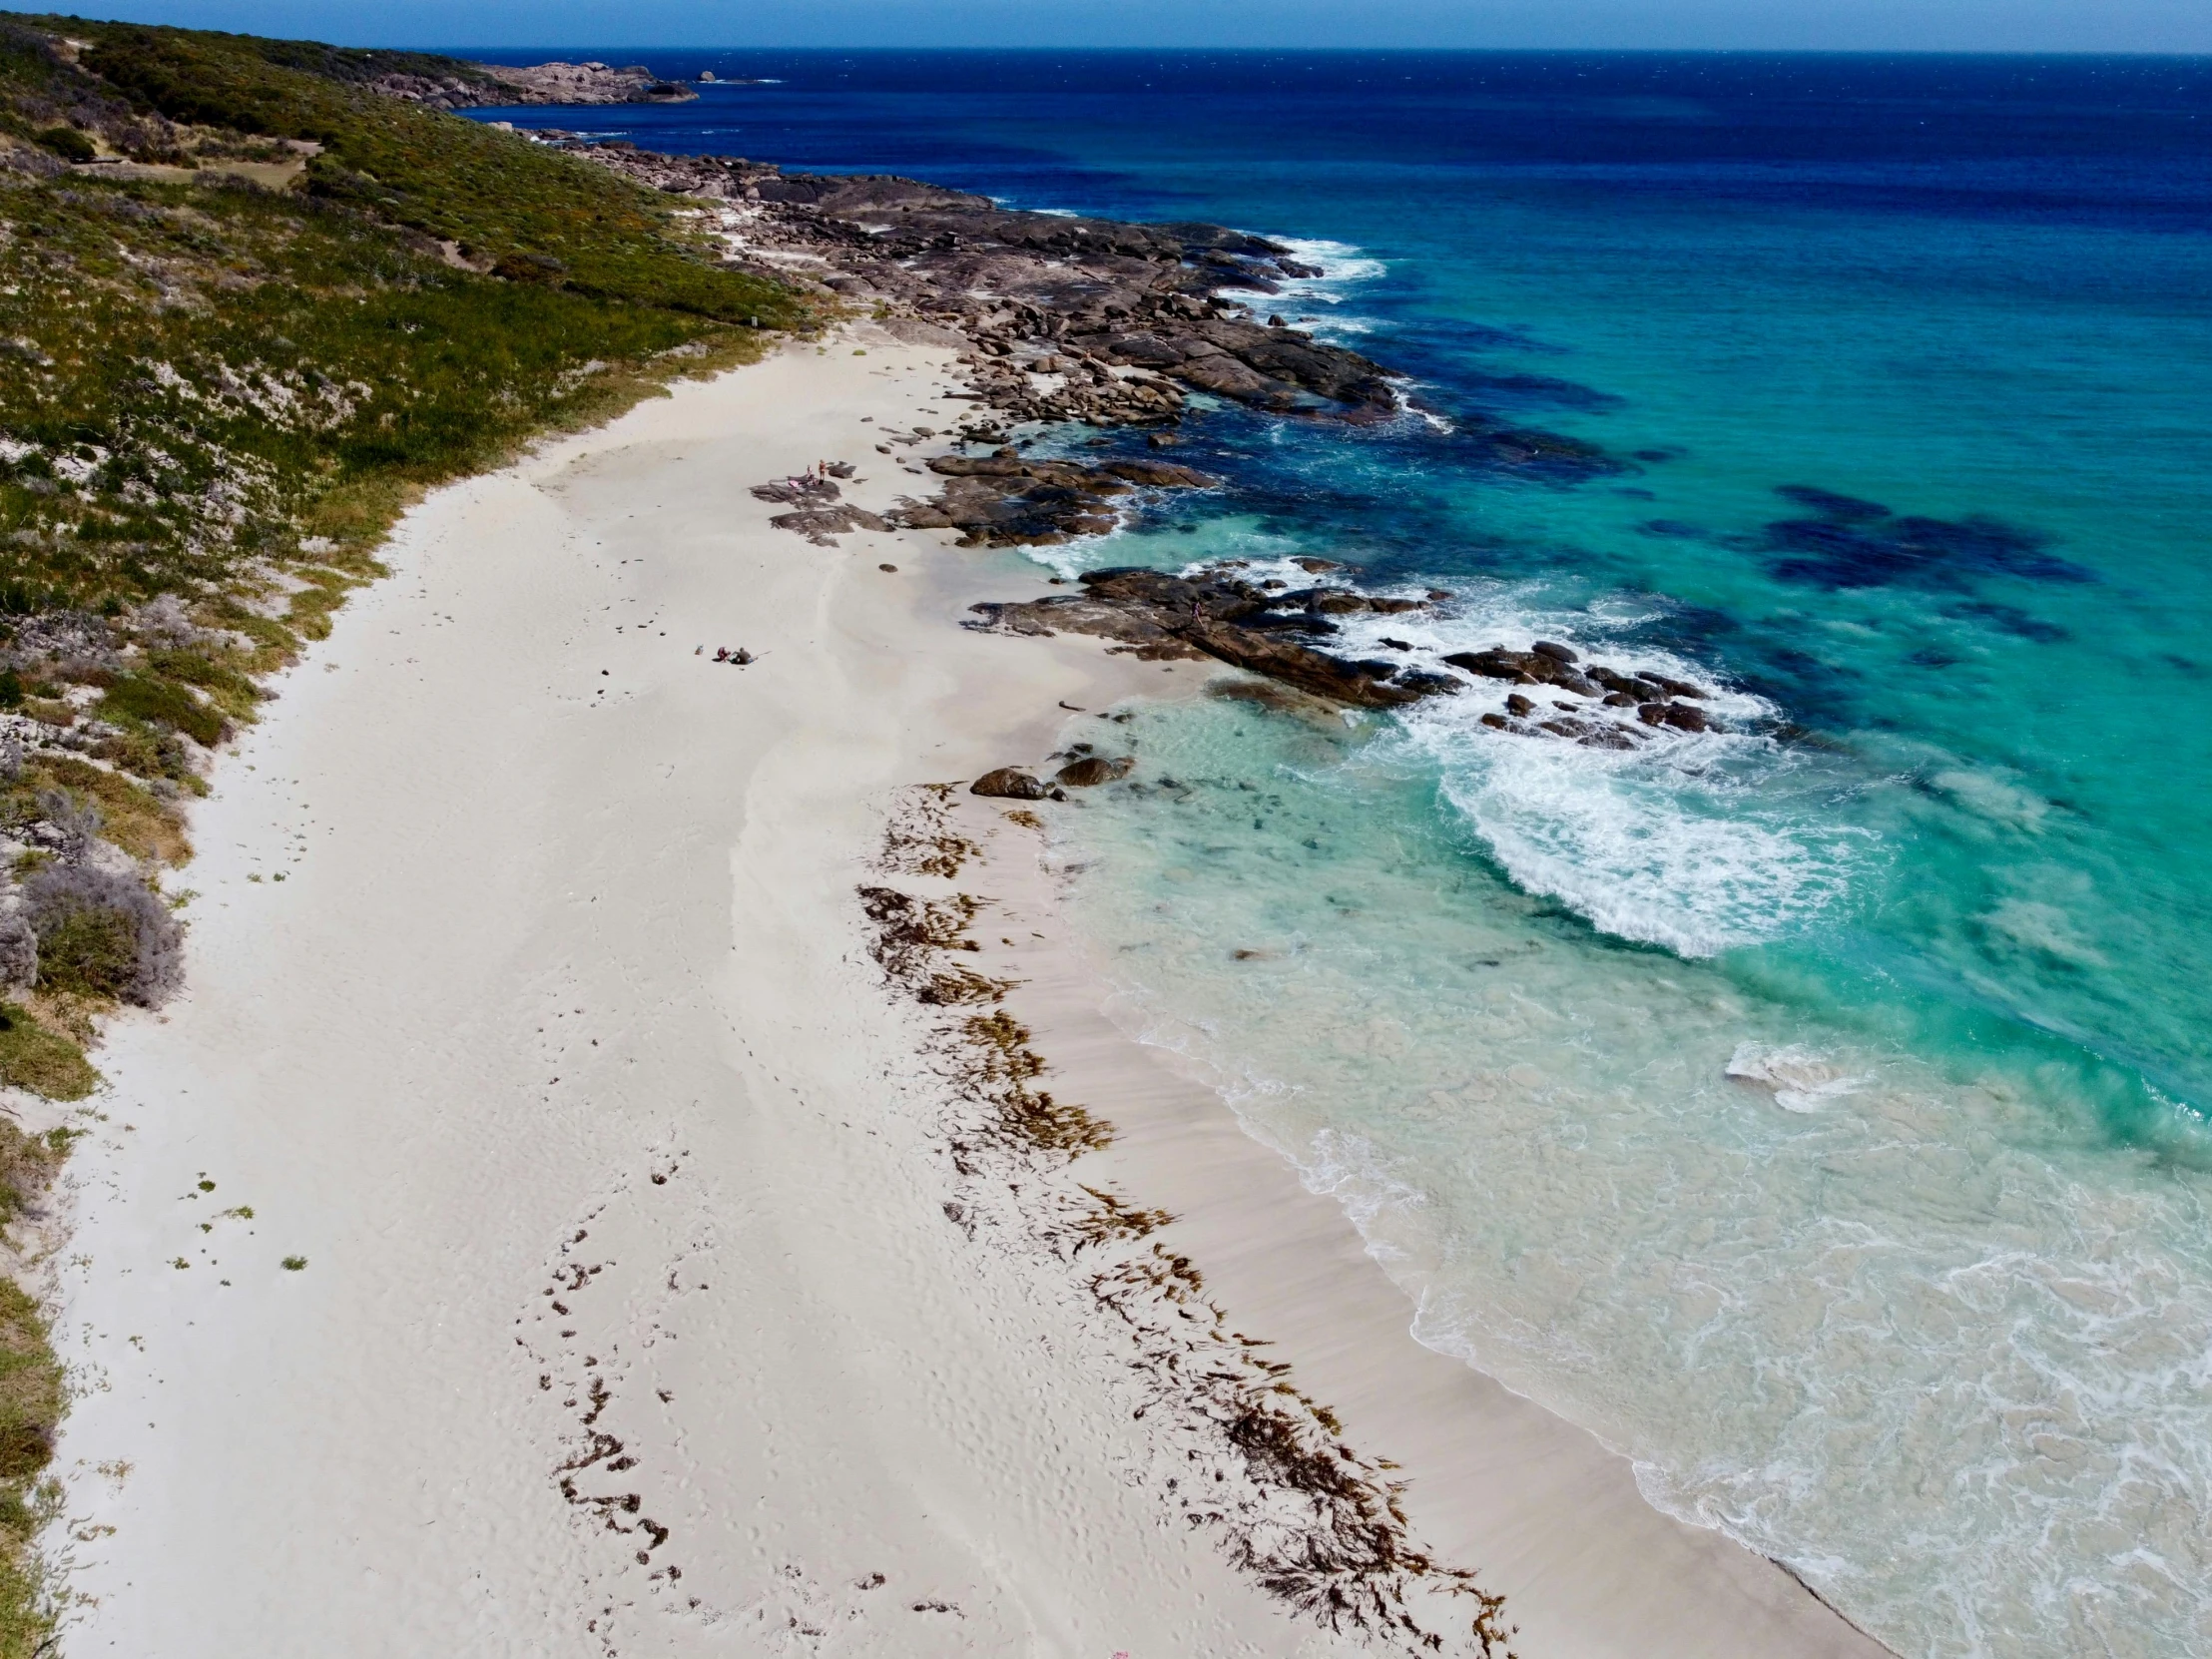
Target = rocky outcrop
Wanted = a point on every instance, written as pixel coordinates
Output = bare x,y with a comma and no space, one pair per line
1154,614
1279,633
819,514
491,84
824,525
1068,318
1008,500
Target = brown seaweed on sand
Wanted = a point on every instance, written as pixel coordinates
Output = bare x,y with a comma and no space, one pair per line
1239,1450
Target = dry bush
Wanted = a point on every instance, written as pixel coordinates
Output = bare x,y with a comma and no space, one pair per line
103,935
18,953
77,821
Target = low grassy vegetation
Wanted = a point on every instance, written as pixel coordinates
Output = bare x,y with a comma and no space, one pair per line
249,309
32,1397
41,1061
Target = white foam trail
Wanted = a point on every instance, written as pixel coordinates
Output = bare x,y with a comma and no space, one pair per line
1801,1080
1914,1327
1690,840
1343,265
1338,261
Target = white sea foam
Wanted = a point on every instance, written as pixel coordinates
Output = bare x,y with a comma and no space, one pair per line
1343,268
1800,1079
1692,840
1923,1338
1338,261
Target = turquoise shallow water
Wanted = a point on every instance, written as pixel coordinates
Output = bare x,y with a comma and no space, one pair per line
1815,1110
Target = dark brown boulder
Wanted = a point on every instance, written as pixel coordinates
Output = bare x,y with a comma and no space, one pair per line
1491,665
1011,783
1557,653
1680,716
1430,684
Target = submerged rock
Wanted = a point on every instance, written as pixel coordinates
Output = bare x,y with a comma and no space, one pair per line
1093,770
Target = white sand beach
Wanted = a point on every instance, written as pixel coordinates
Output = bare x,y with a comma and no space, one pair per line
529,1002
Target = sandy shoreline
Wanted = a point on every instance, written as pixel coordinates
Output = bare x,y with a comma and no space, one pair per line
529,1003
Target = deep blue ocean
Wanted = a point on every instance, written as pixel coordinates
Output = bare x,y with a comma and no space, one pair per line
1817,1111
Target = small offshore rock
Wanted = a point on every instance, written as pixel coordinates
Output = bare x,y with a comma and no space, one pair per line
1011,783
1430,684
1519,705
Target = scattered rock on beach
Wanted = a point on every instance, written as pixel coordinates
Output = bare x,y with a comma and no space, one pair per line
803,489
822,525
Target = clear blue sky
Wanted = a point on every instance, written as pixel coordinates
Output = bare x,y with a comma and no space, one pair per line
1850,25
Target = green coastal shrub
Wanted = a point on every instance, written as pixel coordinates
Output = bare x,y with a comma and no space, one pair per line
44,1062
160,703
67,143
